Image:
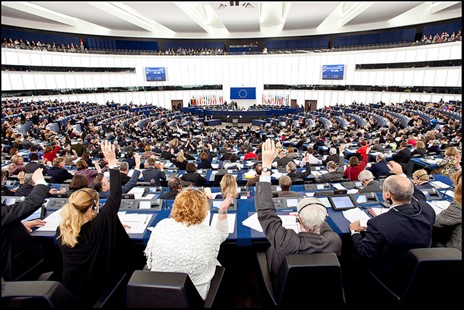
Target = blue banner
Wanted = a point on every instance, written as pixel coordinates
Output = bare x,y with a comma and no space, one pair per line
243,93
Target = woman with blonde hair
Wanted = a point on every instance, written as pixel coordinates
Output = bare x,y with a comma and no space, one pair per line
450,164
228,186
448,223
182,243
94,246
180,162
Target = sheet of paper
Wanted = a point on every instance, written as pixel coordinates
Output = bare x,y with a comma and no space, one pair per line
310,194
439,205
52,221
352,191
230,221
137,191
276,175
137,222
289,222
338,186
253,222
215,166
356,214
439,184
377,211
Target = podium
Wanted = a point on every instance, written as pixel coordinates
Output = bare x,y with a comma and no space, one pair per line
235,122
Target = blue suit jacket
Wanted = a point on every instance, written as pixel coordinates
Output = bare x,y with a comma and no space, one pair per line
379,169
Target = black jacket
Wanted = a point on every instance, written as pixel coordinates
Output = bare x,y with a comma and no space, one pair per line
20,251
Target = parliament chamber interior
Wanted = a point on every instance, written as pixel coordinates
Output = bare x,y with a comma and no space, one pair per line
172,155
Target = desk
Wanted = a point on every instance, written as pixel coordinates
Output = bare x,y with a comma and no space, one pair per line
423,163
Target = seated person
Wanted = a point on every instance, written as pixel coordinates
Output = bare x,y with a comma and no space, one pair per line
315,234
253,180
233,164
310,158
182,243
389,236
175,186
355,167
420,149
380,168
192,176
421,179
58,172
124,170
367,179
285,183
180,161
447,229
205,161
335,172
77,182
294,174
333,156
450,164
283,159
102,184
34,164
153,173
228,185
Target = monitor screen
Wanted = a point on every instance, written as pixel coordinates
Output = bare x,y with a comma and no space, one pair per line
217,203
292,202
154,74
342,203
333,72
361,198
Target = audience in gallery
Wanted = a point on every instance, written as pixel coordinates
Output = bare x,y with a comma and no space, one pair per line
448,223
95,248
181,243
314,235
388,236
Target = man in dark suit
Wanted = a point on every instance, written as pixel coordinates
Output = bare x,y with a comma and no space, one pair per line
79,147
285,183
283,159
296,175
253,180
124,170
193,176
334,171
33,164
58,172
152,174
388,236
20,251
175,186
367,179
403,155
380,168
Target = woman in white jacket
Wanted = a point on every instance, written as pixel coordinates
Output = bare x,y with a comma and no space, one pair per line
185,243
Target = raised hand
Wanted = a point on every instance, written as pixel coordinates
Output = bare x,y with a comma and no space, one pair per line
108,151
269,152
37,175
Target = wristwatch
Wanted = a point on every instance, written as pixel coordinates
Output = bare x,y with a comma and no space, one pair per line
266,169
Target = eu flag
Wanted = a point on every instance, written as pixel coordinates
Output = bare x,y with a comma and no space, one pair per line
243,93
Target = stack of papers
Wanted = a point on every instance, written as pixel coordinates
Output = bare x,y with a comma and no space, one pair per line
135,223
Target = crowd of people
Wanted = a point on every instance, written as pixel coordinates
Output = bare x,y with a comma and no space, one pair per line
94,245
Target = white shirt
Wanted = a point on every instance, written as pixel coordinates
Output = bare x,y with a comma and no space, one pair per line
176,247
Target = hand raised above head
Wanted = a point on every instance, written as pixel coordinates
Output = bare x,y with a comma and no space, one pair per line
37,175
108,151
269,152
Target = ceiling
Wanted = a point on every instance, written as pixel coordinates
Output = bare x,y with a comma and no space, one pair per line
237,19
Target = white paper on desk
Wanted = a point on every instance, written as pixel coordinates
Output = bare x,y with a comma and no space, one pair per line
215,194
352,191
276,175
439,184
379,211
338,186
215,166
137,191
168,165
356,214
230,221
439,205
52,221
289,222
310,194
253,222
137,222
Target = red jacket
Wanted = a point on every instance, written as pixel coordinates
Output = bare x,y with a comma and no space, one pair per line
352,172
50,156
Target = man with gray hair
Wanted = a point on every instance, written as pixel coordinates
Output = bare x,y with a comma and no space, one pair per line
314,236
389,236
367,179
380,168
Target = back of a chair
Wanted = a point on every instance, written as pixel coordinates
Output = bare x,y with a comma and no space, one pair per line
436,277
152,289
37,295
316,277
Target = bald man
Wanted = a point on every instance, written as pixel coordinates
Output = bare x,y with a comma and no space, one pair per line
407,225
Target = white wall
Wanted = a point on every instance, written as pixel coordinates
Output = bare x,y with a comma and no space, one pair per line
239,70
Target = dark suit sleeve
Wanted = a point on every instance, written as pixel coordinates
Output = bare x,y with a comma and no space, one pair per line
132,181
114,200
23,209
368,247
307,171
341,163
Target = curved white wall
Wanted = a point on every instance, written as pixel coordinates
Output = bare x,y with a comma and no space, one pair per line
237,71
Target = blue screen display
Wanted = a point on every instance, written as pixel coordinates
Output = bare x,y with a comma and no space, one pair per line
155,74
243,93
333,72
